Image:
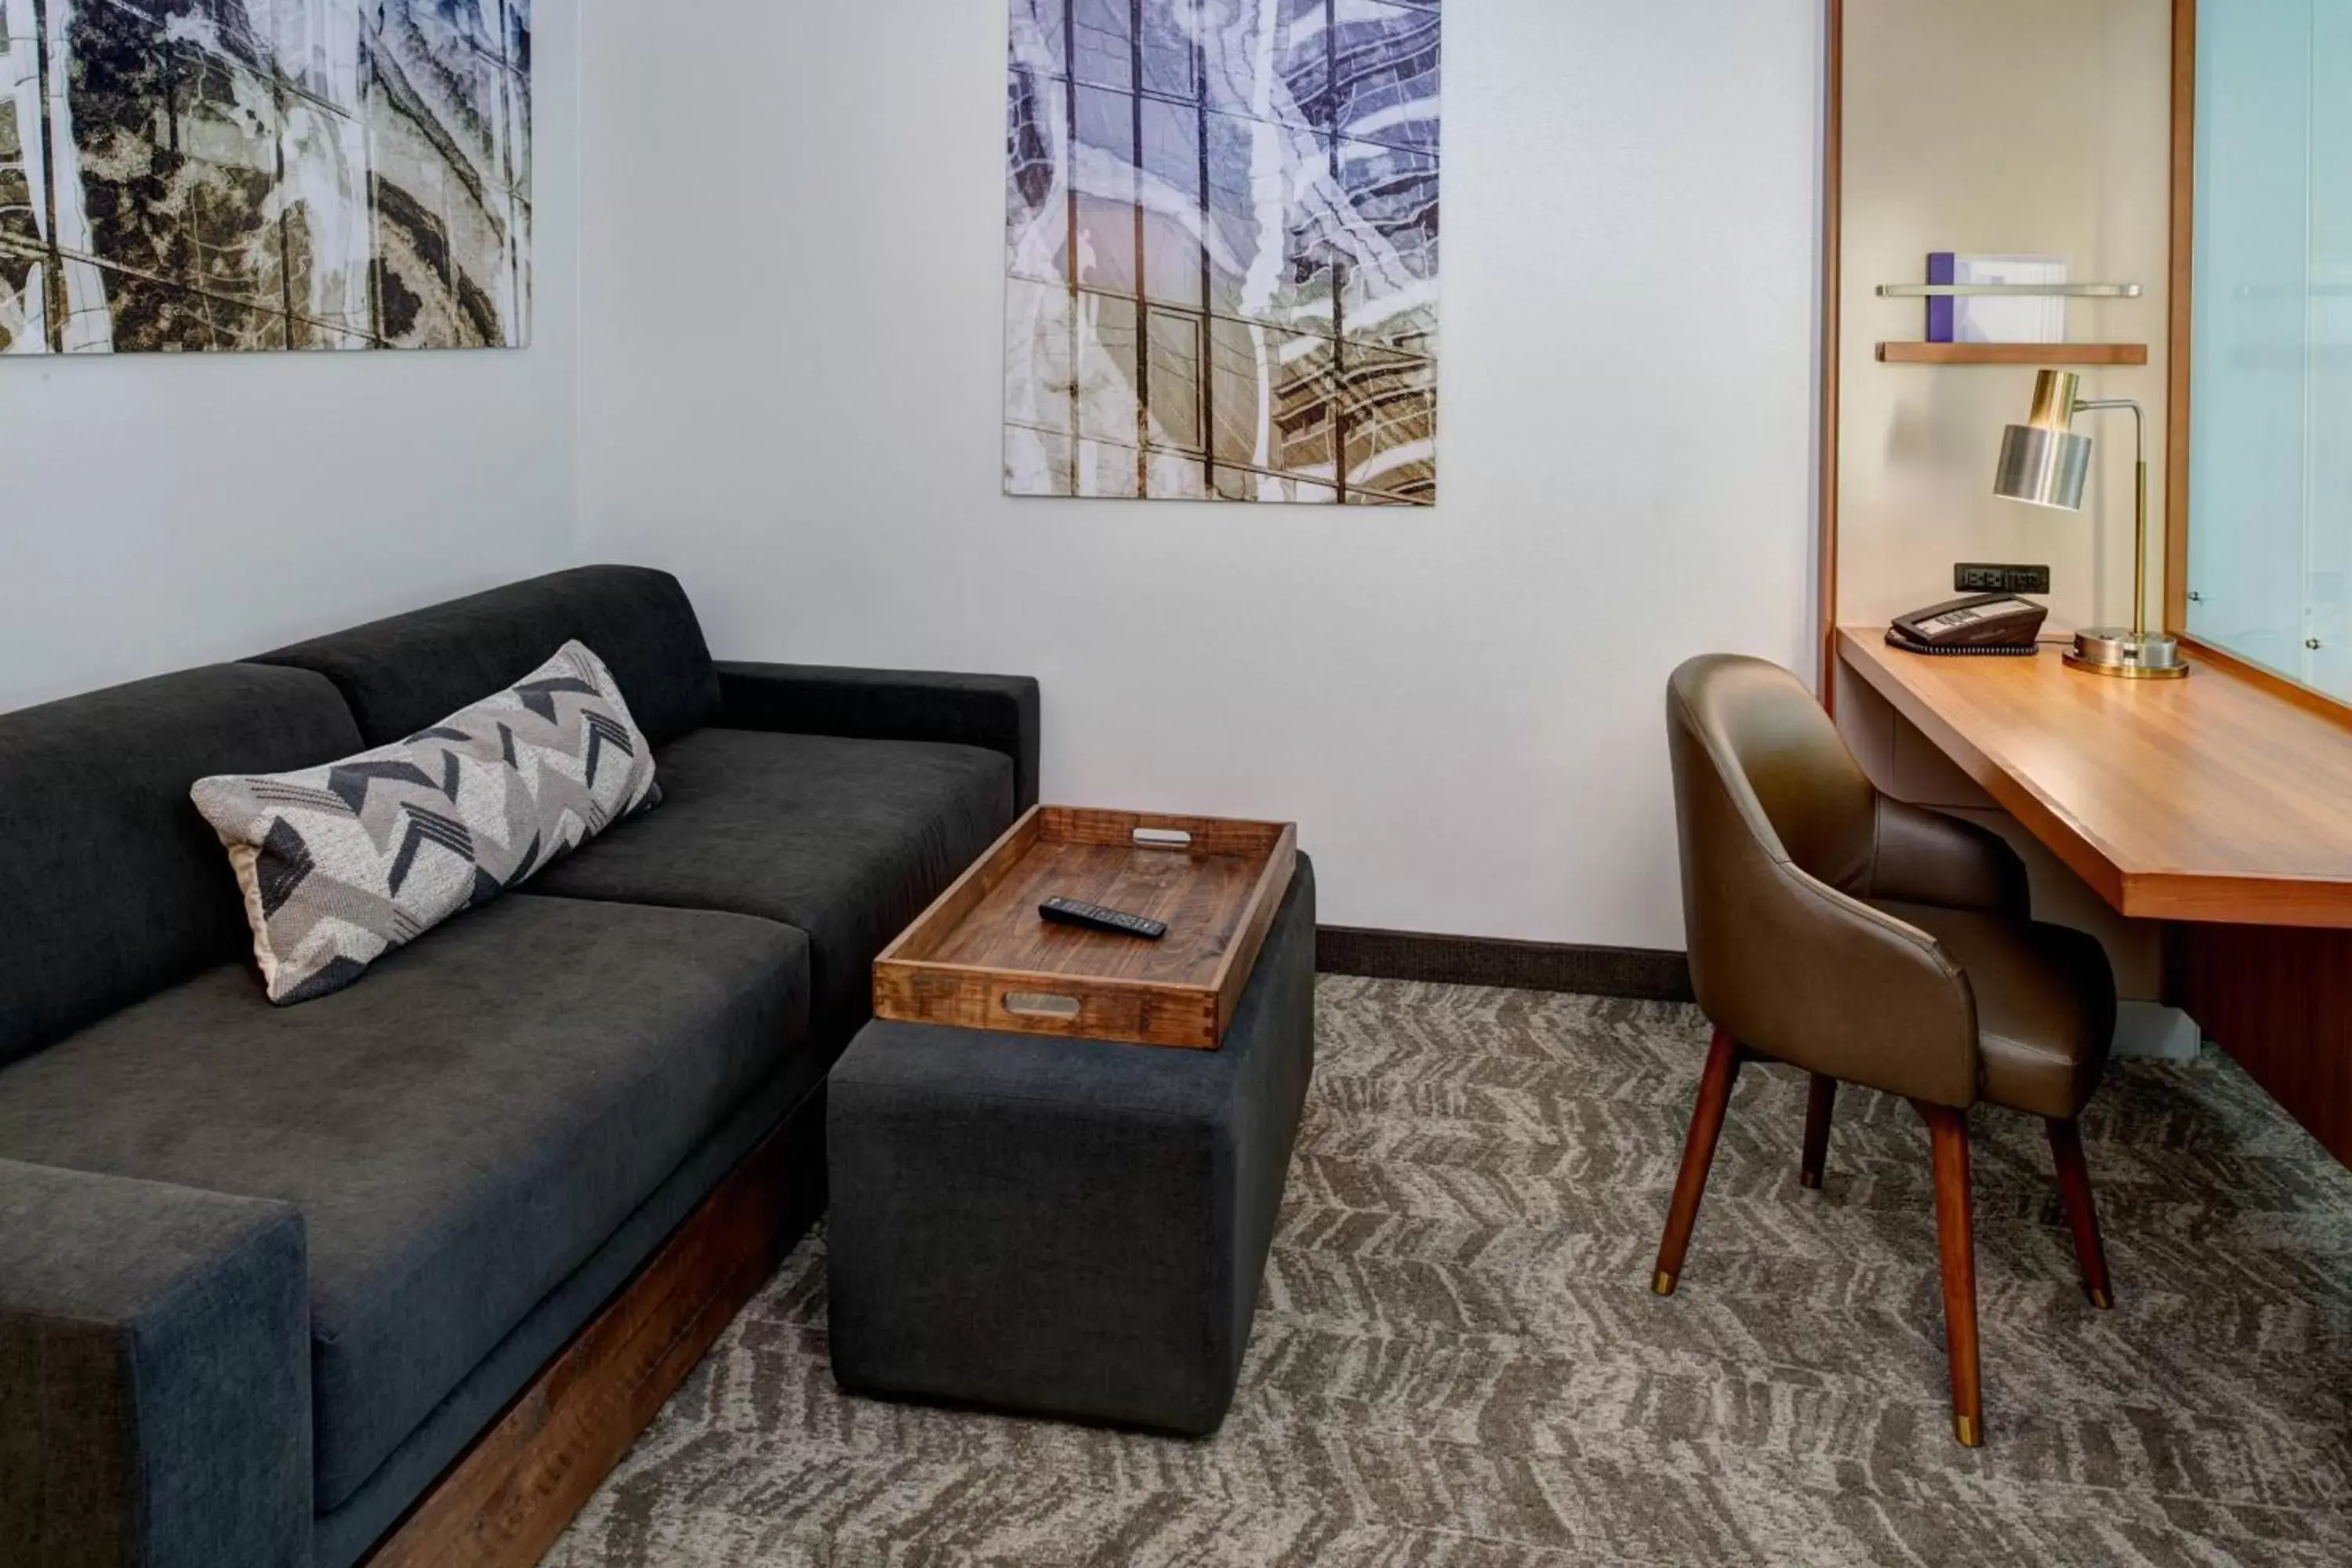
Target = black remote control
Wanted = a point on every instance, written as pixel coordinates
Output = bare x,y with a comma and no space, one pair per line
1094,917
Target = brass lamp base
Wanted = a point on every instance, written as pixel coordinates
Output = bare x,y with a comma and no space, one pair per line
2127,655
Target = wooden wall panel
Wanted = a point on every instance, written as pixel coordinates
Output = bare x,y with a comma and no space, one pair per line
2278,999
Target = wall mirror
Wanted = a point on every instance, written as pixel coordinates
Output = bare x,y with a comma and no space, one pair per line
2267,404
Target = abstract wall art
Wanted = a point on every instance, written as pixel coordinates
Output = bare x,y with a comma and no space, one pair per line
1221,250
248,174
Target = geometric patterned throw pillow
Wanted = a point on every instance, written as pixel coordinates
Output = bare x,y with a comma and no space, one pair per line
342,863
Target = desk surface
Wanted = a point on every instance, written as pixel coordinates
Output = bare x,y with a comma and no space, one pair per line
2204,799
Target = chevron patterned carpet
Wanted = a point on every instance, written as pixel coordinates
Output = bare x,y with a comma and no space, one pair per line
1457,1361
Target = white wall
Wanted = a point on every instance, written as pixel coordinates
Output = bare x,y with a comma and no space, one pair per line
158,511
791,373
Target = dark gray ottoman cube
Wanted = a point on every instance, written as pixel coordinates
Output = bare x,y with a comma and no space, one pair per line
1066,1227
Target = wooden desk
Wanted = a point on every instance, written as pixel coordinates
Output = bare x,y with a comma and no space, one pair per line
2212,803
2204,799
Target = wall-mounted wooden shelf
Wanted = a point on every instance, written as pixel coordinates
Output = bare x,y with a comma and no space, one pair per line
2013,354
2008,290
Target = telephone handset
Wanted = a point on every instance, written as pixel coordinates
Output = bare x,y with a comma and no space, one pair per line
1995,624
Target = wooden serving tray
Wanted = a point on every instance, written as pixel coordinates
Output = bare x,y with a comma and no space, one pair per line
981,957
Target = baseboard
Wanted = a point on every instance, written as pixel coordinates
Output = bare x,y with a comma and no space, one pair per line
1645,974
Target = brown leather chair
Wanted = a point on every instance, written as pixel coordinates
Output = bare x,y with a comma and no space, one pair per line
1867,940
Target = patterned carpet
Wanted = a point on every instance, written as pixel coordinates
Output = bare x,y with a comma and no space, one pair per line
1457,1360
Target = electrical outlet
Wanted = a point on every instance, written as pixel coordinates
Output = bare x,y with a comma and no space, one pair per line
1979,577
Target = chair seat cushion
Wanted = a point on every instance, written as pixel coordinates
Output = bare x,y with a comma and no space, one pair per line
459,1134
2045,1004
848,840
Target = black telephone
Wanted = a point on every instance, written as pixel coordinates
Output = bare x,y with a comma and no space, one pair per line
1996,623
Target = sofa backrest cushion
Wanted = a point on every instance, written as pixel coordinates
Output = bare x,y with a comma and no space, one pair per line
405,674
112,886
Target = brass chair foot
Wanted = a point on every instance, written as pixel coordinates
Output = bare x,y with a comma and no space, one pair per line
2101,1299
1808,1180
1663,1283
1968,1431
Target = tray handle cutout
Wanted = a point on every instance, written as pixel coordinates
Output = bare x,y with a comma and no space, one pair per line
1040,1004
1162,839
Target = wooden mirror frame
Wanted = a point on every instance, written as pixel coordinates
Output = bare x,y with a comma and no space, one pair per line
1825,594
2184,313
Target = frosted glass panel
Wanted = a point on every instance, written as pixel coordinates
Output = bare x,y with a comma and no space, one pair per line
2250,452
2328,544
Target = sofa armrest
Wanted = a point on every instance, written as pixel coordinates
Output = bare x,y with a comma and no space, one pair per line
997,712
154,1375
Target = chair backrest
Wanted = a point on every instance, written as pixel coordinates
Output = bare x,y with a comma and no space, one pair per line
1797,790
1778,827
112,886
406,673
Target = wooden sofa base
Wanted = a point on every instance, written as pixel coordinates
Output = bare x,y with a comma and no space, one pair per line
504,1502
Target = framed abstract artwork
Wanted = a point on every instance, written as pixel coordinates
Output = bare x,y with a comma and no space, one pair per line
1221,250
253,175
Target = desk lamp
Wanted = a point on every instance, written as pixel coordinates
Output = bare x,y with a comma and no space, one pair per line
2044,463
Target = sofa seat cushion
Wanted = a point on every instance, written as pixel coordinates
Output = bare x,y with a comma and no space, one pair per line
459,1134
848,840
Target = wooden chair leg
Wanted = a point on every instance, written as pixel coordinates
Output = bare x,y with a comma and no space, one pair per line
1819,1099
2074,1185
1698,1154
1956,1249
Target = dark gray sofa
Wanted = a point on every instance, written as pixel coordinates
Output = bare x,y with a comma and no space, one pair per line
265,1273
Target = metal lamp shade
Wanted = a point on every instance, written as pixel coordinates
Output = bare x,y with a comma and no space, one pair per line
2044,463
2043,467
